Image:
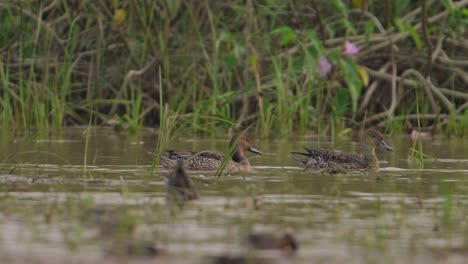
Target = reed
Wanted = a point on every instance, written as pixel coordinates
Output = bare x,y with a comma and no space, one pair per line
169,126
228,155
419,140
87,134
243,62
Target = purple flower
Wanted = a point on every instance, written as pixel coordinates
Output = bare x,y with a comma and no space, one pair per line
324,67
350,48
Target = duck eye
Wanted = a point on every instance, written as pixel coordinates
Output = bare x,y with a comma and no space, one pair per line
373,136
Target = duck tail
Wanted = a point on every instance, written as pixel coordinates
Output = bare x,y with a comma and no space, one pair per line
299,159
167,162
307,153
299,153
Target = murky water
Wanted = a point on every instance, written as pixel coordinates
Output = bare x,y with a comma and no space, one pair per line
402,215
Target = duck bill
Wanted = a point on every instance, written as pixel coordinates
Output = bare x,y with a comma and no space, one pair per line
256,151
385,146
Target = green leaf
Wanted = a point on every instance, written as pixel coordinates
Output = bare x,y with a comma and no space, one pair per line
400,7
340,6
415,36
239,50
289,35
407,28
341,102
348,25
229,61
330,30
317,44
448,5
369,30
400,25
310,60
174,7
352,80
334,56
223,37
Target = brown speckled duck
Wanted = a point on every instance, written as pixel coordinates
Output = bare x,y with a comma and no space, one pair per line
286,242
318,159
210,161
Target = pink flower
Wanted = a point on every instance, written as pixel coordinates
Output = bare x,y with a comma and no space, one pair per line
414,134
324,67
350,48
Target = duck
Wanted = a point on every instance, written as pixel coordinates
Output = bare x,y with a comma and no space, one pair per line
211,161
112,222
317,159
179,186
143,248
240,259
286,242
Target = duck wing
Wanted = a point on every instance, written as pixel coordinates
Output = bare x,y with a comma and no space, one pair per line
323,158
184,154
179,154
196,160
170,158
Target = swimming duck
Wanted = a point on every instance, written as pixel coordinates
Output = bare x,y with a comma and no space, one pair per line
209,161
179,186
227,259
329,159
142,248
286,242
112,222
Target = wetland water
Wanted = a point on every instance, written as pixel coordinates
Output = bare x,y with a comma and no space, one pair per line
401,215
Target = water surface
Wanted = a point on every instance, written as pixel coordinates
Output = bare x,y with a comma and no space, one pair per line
404,214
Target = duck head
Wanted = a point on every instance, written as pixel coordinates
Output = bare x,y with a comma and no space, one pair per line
289,242
244,144
373,138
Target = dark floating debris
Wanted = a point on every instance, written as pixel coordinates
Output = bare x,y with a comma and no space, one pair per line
242,260
179,186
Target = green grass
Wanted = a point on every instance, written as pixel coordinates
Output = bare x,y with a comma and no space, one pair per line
246,63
